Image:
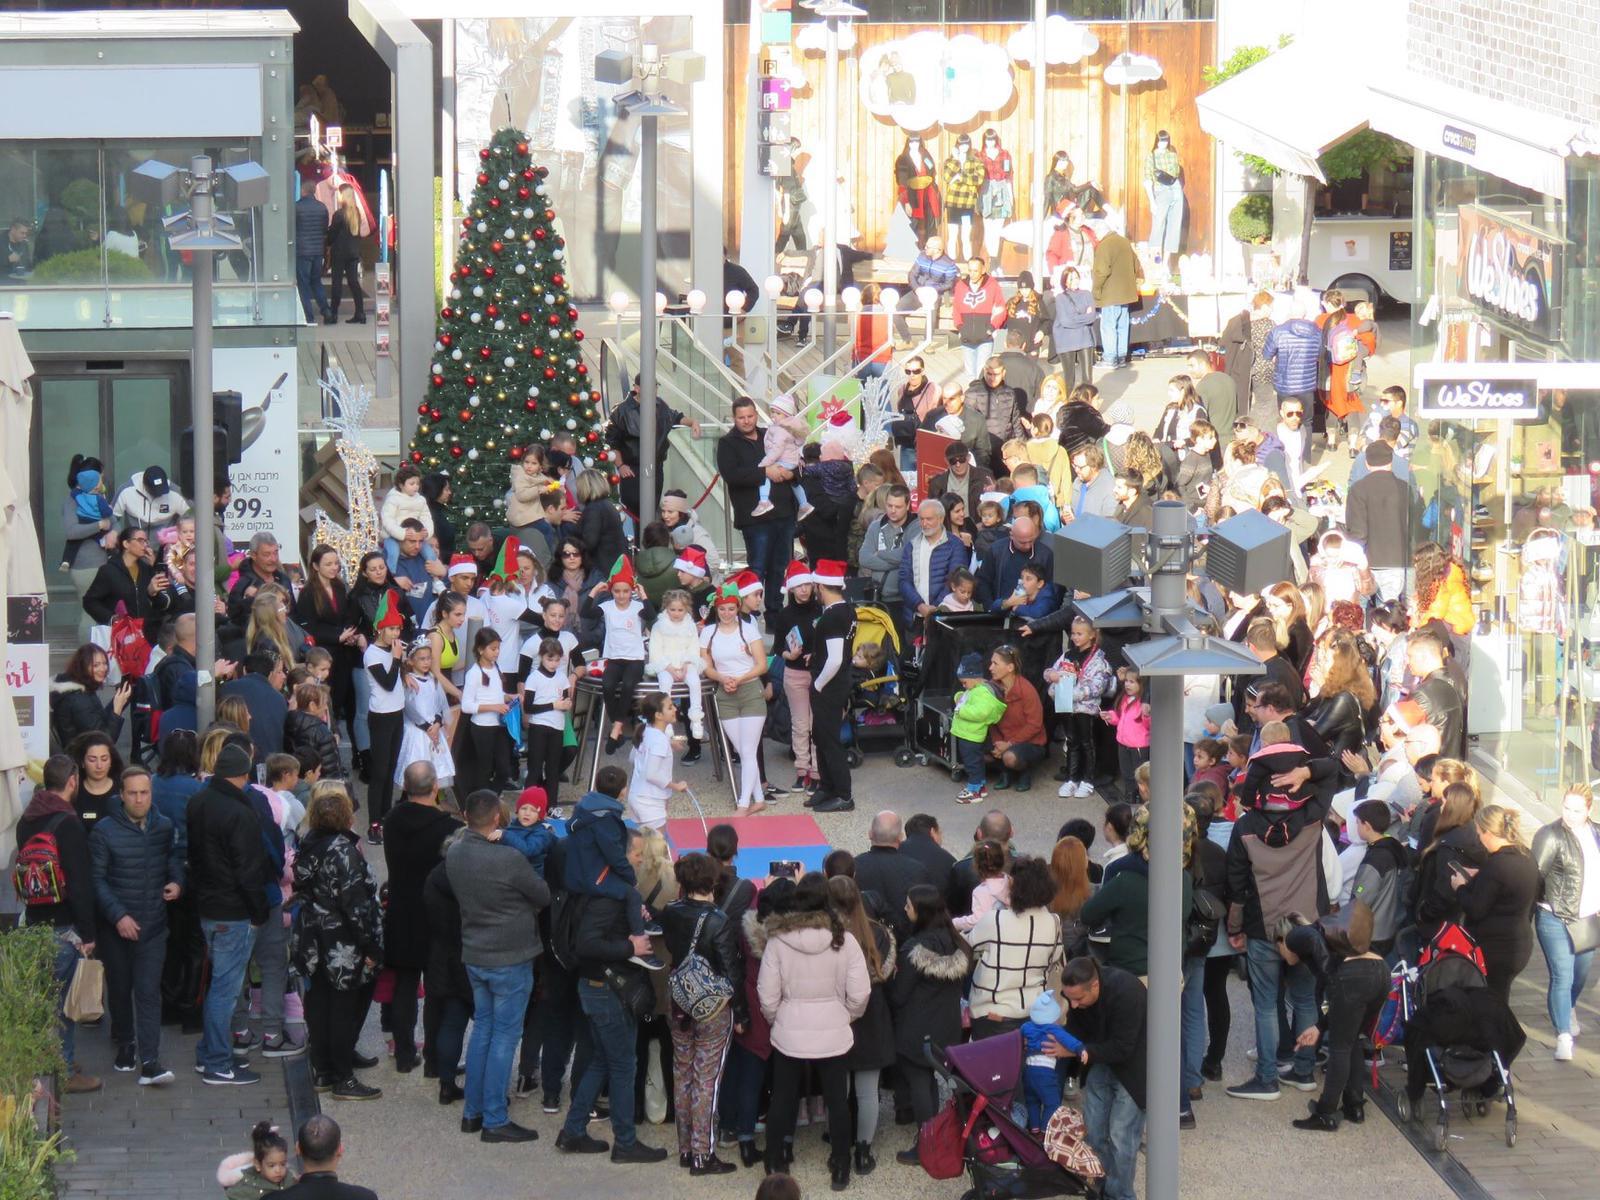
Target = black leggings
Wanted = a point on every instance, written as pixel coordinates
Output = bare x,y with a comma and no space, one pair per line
1081,733
544,749
491,746
788,1075
385,730
1217,1016
333,1022
617,683
1356,993
349,269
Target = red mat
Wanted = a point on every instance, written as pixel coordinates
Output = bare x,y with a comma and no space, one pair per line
799,829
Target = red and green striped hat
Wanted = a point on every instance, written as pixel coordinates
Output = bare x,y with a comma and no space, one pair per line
622,572
388,615
505,563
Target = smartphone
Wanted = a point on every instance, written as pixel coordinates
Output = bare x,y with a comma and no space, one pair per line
784,868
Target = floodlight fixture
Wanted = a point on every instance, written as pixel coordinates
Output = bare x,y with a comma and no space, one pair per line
1248,553
613,66
243,185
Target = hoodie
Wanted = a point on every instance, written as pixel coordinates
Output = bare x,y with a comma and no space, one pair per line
597,847
48,812
1380,884
1275,868
136,507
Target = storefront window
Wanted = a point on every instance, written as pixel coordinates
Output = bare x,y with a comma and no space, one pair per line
1583,260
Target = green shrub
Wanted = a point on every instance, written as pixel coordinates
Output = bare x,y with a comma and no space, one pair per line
1251,219
83,266
30,1047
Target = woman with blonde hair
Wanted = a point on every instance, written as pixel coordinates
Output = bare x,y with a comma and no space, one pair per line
1052,397
1497,898
346,232
1318,618
211,745
1141,457
1286,606
599,525
268,628
232,712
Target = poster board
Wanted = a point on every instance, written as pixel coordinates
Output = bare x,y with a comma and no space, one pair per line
28,672
266,482
931,448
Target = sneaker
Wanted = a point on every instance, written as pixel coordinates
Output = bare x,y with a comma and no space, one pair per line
237,1077
1186,1119
354,1089
551,1105
1574,1028
281,1045
244,1040
1254,1088
1068,790
761,509
801,513
693,755
525,1086
638,1153
648,961
1564,1047
79,1082
582,1144
653,929
1085,790
1305,1083
971,796
697,727
771,795
126,1059
375,834
798,788
153,1074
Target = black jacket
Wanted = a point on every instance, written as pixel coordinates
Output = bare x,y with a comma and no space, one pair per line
131,865
364,598
325,1185
1112,1029
324,628
1378,515
1079,425
343,245
1498,903
891,874
718,945
925,994
935,859
600,531
47,811
1342,724
1559,857
228,864
1435,900
446,974
413,844
1442,705
874,1046
74,710
739,464
310,228
268,711
239,603
114,582
601,937
623,433
303,732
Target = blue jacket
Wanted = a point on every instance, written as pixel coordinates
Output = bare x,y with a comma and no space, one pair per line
940,273
1042,605
534,841
597,847
310,227
998,573
1041,496
131,865
945,557
268,711
1075,319
172,794
1295,351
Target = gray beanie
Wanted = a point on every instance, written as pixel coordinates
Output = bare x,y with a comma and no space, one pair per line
232,762
1219,714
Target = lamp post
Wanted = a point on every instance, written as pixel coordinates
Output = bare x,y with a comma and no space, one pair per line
202,231
831,12
645,102
1244,554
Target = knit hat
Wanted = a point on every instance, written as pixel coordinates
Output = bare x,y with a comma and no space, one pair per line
971,666
88,480
621,572
388,615
728,593
830,572
505,563
535,796
462,564
1045,1009
233,761
796,574
783,405
749,582
691,560
1219,714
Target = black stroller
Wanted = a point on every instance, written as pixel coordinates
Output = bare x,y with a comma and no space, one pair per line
950,636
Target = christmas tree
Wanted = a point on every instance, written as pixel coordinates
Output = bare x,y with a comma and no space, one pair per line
507,369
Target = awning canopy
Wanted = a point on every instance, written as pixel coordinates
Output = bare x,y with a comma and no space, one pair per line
1288,108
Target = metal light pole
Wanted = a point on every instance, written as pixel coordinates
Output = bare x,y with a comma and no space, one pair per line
1240,551
202,231
831,11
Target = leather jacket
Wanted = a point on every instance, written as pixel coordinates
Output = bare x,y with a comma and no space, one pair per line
718,945
1340,721
1559,857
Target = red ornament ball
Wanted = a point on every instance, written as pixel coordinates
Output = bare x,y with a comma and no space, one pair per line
488,273
483,178
595,396
422,409
538,235
555,320
438,381
522,147
436,414
471,381
549,372
582,369
523,193
445,339
447,313
575,399
572,313
530,404
456,451
516,454
549,214
614,480
492,310
484,352
416,456
497,246
484,154
465,414
558,279
538,351
591,437
525,317
542,171
464,270
577,335
494,201
527,173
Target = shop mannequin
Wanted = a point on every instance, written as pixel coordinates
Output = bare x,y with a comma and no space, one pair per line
963,183
918,194
792,198
998,201
1163,185
1059,193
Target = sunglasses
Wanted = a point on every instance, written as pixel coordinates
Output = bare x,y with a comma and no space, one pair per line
913,370
1293,415
571,554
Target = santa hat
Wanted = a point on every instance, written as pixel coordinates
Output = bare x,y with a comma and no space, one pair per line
798,573
388,615
462,564
621,571
537,797
505,563
692,561
728,593
748,582
830,572
1407,714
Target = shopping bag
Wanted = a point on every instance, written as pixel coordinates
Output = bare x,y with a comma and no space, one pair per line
85,994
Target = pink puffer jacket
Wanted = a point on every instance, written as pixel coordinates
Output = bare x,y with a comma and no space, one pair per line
809,990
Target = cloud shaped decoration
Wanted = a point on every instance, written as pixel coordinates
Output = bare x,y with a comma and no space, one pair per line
1127,69
1065,42
812,37
927,79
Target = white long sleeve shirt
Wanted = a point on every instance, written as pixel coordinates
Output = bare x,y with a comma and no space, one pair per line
482,687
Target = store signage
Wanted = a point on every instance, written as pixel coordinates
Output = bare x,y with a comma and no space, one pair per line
1511,271
1480,399
266,482
1462,140
28,672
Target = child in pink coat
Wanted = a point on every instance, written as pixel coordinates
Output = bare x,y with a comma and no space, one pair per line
1131,716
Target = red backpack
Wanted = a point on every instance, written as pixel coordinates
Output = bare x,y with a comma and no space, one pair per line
39,876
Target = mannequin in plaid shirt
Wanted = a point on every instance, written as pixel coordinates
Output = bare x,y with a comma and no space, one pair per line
963,179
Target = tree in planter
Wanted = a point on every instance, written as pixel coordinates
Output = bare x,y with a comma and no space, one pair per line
30,1050
507,369
1250,220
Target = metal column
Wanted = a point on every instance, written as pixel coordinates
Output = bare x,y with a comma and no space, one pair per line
648,330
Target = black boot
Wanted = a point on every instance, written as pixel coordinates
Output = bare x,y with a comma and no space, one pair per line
749,1152
449,1092
839,1170
1319,1122
1354,1113
1001,779
864,1160
909,1158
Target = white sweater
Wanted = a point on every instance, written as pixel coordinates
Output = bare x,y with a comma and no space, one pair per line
398,507
674,643
482,687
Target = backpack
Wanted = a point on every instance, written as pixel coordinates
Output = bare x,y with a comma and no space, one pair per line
39,876
1206,912
1343,346
694,985
564,912
1390,1027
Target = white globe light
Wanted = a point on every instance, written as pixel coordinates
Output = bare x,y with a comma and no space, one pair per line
734,301
889,298
696,300
661,303
813,299
852,298
475,318
773,287
522,269
618,301
927,296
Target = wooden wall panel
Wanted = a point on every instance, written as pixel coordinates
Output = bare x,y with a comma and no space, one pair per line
1106,130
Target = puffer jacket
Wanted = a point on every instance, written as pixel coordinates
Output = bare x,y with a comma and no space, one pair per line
718,945
338,930
809,990
925,993
874,1029
1559,856
522,498
74,710
131,865
1295,350
1000,407
310,227
600,531
303,732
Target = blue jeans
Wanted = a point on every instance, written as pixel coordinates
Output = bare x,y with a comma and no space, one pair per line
1114,333
1569,972
67,957
229,944
1113,1124
971,756
615,1058
360,732
308,279
769,545
871,370
1192,1010
741,1092
1266,969
973,357
1166,218
391,552
499,998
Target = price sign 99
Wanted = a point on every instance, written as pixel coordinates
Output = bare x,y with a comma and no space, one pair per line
246,509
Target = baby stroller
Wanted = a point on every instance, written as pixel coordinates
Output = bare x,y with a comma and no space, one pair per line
875,718
1459,1036
950,637
1003,1159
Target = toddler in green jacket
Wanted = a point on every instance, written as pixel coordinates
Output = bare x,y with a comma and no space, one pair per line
978,709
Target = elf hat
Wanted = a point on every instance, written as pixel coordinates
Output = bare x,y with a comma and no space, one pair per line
830,572
728,593
797,573
505,563
692,561
749,583
1407,714
388,615
621,572
462,564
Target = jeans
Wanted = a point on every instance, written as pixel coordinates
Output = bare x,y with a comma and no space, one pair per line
229,944
67,957
1113,1125
871,370
1391,582
133,988
1192,1013
741,1092
271,954
971,756
1569,972
1356,993
973,357
499,998
1166,218
1266,969
360,734
614,1058
308,279
769,545
1114,333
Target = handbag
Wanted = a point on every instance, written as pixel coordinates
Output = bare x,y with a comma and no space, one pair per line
942,1139
637,994
1206,912
1584,933
694,985
85,998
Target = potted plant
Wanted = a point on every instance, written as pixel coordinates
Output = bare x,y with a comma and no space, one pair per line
1250,220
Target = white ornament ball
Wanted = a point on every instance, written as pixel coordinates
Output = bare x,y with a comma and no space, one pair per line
439,438
571,423
522,269
509,233
475,318
471,512
473,455
549,298
473,400
510,361
505,185
527,214
558,252
533,390
572,362
483,227
555,335
435,369
478,292
499,325
455,355
455,293
545,435
538,189
499,502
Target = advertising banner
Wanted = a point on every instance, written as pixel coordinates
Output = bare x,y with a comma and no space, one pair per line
1511,271
266,483
28,672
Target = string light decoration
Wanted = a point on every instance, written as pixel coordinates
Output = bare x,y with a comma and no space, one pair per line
507,369
350,404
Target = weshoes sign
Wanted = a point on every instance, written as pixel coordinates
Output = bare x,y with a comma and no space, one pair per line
1511,271
1480,399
